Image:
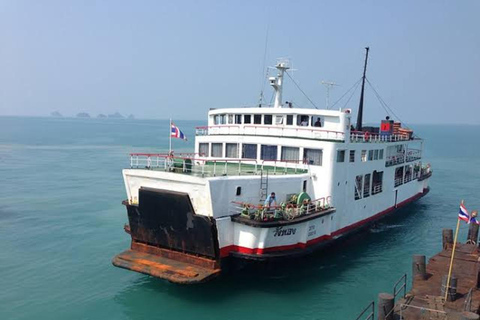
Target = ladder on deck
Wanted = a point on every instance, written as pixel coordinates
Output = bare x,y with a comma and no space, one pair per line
263,186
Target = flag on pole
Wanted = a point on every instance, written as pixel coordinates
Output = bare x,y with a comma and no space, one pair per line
463,214
177,133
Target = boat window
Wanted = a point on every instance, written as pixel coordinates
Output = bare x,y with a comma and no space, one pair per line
302,120
247,118
358,187
217,119
352,155
238,191
375,155
340,155
317,122
217,150
364,155
377,181
257,119
231,150
230,119
304,186
249,151
268,152
370,155
267,119
312,156
408,173
398,176
203,149
279,119
290,154
289,119
380,155
366,185
238,119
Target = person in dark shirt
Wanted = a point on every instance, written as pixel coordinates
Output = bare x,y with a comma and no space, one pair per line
318,123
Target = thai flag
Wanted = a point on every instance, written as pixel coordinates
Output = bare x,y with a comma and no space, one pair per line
176,133
463,214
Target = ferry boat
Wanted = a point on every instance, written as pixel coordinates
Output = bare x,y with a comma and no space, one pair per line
189,213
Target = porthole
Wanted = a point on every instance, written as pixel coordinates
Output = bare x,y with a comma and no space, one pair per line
239,191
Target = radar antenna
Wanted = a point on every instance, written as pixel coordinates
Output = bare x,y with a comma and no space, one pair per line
328,85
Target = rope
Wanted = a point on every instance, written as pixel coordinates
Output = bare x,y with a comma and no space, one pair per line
298,87
383,103
354,85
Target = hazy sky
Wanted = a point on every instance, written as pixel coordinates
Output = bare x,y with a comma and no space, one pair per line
179,58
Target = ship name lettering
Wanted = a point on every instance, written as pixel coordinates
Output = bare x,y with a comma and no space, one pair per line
280,232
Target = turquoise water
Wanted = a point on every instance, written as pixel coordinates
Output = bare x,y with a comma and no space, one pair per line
61,222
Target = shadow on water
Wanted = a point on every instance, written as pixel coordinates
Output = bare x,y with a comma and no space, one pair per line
291,276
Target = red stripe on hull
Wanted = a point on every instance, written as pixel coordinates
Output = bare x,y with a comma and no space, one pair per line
225,251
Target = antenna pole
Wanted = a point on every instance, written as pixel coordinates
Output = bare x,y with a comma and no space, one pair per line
360,106
328,86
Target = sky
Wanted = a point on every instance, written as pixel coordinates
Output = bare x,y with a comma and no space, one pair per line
178,59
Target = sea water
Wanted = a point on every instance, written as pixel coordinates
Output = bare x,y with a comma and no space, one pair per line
61,222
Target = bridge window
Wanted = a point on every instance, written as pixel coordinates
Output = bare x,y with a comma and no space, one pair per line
217,150
238,119
267,119
249,151
289,119
364,155
230,119
290,154
377,182
247,118
352,155
312,156
340,155
257,119
316,122
366,185
203,149
358,187
302,120
268,152
279,119
231,150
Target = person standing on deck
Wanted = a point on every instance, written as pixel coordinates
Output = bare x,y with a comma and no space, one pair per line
271,200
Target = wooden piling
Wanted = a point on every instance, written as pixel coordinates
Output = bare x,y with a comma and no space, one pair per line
419,267
385,306
447,238
452,290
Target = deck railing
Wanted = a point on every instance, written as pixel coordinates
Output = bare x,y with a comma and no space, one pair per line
364,137
286,211
214,167
272,130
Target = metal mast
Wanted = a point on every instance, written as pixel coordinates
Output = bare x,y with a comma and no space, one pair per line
360,107
277,82
328,86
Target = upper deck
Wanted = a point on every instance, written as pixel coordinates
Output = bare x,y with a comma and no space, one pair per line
311,124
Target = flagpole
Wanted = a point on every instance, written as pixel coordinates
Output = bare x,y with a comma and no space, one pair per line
451,259
170,137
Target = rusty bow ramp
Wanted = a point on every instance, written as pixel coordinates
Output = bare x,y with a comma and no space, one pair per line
169,241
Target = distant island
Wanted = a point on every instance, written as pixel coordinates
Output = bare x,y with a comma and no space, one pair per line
131,117
83,115
116,115
101,116
56,114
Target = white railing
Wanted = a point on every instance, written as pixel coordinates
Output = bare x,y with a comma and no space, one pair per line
285,211
361,137
394,160
413,154
376,188
272,130
214,167
398,181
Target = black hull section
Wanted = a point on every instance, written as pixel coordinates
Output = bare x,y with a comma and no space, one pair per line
166,219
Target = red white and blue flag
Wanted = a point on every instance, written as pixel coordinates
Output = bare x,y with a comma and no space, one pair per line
177,133
463,214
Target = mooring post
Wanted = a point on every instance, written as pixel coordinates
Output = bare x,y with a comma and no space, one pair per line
452,291
419,267
472,233
466,315
447,238
385,306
